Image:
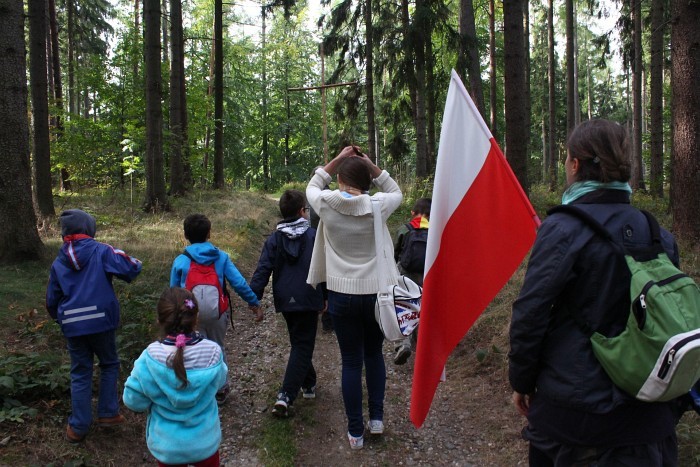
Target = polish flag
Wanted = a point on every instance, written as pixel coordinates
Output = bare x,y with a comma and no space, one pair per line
481,227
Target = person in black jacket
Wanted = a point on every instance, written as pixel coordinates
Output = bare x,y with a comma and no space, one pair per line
575,414
287,255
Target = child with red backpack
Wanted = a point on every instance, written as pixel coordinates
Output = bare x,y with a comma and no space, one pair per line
204,269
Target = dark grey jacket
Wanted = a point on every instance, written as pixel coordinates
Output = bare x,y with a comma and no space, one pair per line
573,270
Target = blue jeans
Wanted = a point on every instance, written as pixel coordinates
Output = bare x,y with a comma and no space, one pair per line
300,373
360,341
82,350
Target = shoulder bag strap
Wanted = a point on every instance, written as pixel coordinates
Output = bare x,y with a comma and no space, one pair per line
380,248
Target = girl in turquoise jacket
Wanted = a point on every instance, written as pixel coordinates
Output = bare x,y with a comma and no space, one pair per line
175,381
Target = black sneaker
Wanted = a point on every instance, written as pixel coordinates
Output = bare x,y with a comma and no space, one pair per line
281,407
309,393
222,394
402,354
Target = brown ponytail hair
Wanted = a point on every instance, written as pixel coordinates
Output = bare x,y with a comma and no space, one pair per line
602,148
177,314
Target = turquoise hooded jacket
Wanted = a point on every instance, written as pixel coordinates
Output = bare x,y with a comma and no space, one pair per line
183,423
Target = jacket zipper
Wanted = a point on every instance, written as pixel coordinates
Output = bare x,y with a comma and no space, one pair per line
671,354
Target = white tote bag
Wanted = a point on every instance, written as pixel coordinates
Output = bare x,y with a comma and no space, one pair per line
398,305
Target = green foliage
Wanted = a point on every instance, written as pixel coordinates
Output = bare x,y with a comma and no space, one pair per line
278,442
28,378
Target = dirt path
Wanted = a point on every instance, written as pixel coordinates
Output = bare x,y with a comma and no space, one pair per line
471,421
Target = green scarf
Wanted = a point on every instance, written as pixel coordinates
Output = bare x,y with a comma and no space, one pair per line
578,189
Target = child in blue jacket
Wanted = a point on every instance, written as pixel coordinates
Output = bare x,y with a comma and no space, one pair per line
287,255
81,299
212,325
175,381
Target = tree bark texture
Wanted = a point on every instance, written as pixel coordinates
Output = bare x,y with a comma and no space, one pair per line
156,196
369,83
492,66
551,77
19,238
570,65
656,93
420,121
218,95
637,181
685,60
177,181
515,81
468,61
41,162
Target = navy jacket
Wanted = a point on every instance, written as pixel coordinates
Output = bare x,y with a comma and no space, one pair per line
80,296
288,259
573,270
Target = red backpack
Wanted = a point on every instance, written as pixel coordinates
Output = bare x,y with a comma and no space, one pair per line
203,281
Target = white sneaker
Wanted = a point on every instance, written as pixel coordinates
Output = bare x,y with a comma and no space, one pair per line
376,427
356,442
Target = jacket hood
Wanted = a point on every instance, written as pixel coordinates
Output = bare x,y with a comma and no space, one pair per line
183,398
291,231
75,221
203,253
77,253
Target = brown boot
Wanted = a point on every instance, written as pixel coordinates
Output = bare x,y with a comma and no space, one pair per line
72,436
111,421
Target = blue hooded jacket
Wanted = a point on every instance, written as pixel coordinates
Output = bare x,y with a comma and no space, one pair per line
205,253
80,296
183,422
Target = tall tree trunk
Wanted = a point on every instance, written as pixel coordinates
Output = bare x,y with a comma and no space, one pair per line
265,136
137,29
551,77
421,124
72,98
492,70
515,82
19,238
156,197
656,139
431,104
570,65
43,196
526,56
177,182
637,181
218,95
164,20
369,84
409,57
577,99
56,65
210,92
468,59
685,60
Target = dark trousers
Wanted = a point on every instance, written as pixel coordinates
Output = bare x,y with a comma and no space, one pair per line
300,373
360,341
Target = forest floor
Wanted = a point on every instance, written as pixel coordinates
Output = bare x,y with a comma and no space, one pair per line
471,422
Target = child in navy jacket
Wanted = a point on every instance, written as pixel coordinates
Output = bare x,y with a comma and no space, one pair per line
81,299
287,255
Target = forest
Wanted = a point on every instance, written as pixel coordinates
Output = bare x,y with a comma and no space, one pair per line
164,98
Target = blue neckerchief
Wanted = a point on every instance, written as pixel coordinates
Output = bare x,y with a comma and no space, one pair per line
578,189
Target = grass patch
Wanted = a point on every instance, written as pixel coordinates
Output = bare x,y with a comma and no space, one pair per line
277,442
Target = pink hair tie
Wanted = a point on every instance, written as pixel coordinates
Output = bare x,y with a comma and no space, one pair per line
180,340
189,304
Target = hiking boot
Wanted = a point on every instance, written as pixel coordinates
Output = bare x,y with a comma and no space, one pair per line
72,436
356,442
281,407
402,354
376,427
222,394
309,393
111,421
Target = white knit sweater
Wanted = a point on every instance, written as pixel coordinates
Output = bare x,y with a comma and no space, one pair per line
344,254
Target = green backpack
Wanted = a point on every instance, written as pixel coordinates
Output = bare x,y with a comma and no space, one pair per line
657,356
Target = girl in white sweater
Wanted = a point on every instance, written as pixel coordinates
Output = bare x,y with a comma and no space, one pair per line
344,257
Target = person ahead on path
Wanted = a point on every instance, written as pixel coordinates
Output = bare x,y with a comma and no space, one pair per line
576,415
344,257
212,324
81,299
287,255
175,381
409,254
326,322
